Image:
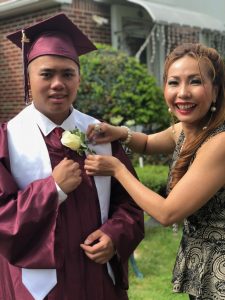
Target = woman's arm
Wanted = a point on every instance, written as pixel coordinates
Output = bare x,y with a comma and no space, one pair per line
163,142
203,179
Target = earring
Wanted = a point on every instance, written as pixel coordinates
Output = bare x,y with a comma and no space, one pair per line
212,109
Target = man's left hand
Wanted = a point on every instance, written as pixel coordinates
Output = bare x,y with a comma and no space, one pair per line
99,247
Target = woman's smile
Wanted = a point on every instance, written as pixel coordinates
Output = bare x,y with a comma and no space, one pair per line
185,108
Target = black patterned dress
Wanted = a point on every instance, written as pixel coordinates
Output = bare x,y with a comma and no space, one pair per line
200,264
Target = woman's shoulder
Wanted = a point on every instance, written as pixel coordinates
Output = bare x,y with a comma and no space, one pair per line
218,129
215,134
215,141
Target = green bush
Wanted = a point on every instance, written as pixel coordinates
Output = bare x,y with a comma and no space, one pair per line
156,159
154,177
115,86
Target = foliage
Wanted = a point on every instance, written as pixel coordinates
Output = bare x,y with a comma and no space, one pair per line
154,177
118,89
153,159
155,257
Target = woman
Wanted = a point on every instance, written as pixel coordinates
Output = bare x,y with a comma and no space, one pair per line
194,93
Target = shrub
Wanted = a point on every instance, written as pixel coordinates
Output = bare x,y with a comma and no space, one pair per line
154,177
154,159
115,86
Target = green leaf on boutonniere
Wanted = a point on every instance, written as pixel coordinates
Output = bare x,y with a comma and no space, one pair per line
76,140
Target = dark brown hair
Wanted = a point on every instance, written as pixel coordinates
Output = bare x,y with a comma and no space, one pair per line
215,65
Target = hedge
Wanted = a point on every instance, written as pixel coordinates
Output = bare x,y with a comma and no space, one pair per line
154,177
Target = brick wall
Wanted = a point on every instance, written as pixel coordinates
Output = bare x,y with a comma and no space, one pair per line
11,81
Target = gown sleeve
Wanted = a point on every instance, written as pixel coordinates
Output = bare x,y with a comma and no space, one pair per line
27,217
125,225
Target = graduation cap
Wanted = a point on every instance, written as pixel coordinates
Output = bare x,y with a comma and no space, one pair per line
54,36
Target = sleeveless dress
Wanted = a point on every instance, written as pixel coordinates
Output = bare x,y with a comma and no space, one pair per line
200,264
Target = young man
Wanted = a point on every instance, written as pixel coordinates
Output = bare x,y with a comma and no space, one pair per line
63,235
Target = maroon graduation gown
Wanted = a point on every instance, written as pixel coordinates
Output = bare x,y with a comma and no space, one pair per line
35,232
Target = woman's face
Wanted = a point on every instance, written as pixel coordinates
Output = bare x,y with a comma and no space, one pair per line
189,91
54,82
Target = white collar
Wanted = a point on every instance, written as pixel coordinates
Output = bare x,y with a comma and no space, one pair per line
46,125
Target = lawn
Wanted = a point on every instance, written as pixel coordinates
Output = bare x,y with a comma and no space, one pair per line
155,258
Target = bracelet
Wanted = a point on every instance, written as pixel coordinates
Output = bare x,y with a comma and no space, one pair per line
129,135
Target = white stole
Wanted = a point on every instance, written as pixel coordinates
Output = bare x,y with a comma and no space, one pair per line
29,156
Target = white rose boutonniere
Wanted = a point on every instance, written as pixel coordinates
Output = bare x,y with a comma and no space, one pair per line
76,140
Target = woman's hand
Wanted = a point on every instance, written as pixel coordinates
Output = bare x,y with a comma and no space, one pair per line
105,133
102,165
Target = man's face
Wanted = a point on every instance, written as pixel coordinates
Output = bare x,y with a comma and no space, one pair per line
54,81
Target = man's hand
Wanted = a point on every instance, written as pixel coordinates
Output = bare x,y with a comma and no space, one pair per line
67,175
99,247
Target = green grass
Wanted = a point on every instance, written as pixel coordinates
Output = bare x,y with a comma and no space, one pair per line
155,257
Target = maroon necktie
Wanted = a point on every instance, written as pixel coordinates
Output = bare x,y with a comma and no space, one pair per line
55,137
58,132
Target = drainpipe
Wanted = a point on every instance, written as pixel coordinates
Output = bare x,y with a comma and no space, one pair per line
144,45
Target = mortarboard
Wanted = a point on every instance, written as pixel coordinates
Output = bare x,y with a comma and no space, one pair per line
54,36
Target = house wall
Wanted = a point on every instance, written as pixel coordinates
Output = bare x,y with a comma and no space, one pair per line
215,8
11,81
129,23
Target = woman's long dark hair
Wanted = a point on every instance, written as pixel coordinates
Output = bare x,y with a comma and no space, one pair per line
213,60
